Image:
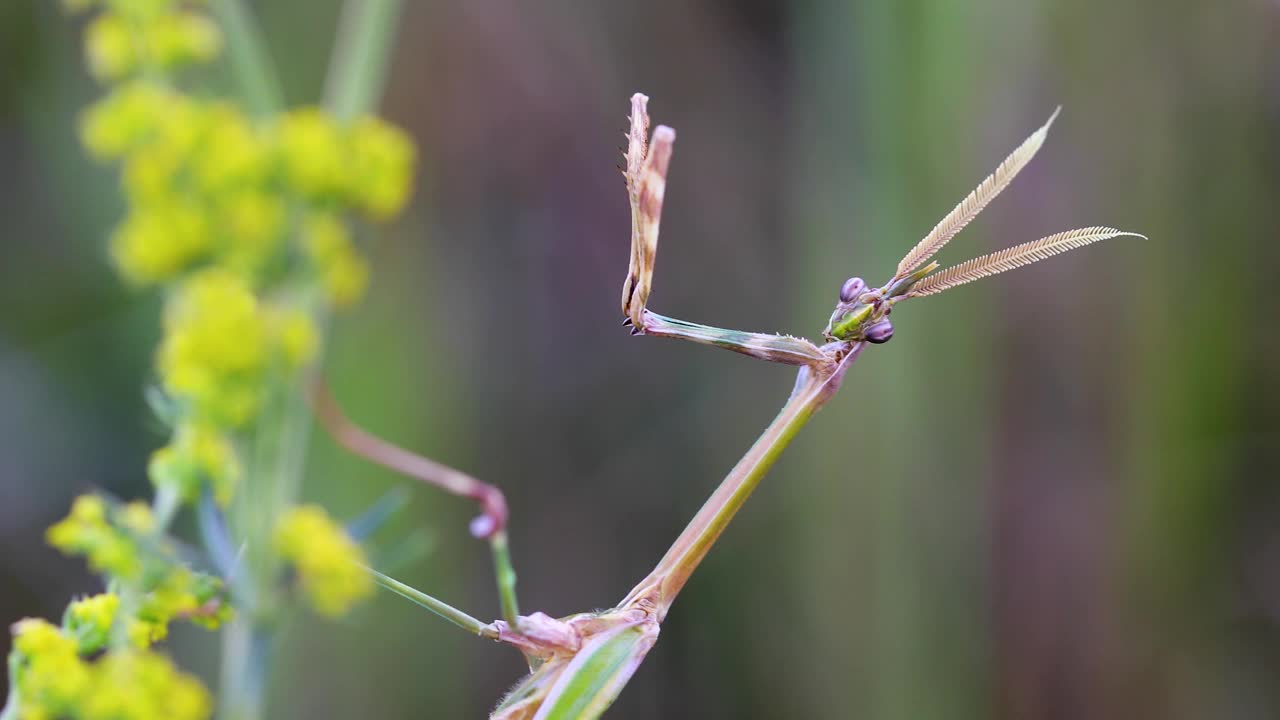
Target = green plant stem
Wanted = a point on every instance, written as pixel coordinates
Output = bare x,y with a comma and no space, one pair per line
245,659
275,474
439,607
506,576
245,644
815,386
11,710
358,69
164,506
250,62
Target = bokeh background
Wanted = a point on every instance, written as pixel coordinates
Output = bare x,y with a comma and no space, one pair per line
1053,495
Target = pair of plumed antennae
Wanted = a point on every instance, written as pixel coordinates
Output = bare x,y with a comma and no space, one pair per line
1003,260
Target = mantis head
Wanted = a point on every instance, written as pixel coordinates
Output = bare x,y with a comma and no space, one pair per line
863,314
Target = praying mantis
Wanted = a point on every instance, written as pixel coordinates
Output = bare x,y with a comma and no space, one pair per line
580,663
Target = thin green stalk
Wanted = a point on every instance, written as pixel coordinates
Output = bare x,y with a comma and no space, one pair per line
250,62
295,436
245,659
506,576
164,506
358,69
246,643
439,607
814,387
11,710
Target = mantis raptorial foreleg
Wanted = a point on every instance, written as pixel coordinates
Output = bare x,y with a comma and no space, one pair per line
646,175
783,349
490,525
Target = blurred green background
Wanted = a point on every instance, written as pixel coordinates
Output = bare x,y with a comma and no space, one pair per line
1051,496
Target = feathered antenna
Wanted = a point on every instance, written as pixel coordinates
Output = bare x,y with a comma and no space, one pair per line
969,208
1014,257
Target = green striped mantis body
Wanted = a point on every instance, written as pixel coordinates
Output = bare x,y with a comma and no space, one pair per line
579,664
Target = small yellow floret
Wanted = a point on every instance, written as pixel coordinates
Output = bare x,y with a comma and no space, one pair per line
328,561
51,676
35,637
131,114
110,47
253,229
175,39
136,516
199,456
343,271
215,348
297,337
231,152
89,509
382,167
86,532
313,152
143,685
90,621
179,595
157,242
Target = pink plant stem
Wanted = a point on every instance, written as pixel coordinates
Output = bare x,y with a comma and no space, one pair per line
815,386
493,505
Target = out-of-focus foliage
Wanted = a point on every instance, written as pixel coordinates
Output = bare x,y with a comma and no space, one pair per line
243,223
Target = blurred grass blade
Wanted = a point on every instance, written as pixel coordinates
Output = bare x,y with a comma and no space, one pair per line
376,515
358,69
214,535
404,552
162,406
253,68
597,673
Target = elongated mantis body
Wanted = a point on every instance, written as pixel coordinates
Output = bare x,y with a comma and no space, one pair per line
580,663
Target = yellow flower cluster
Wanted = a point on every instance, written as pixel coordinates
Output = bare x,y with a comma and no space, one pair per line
90,621
368,165
197,457
55,681
118,542
132,38
50,675
110,549
219,344
224,208
206,184
329,563
182,594
201,180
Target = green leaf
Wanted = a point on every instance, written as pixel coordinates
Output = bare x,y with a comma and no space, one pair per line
597,674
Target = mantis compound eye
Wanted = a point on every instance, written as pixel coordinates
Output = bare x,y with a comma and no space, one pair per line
851,289
879,333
